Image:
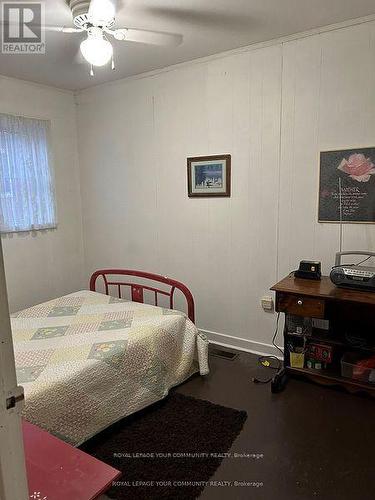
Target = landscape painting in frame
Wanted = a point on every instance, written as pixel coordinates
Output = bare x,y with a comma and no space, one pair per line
354,170
209,176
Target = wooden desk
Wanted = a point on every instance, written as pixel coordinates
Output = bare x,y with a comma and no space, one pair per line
58,471
346,310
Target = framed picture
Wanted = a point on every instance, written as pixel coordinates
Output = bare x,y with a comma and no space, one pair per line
354,170
209,176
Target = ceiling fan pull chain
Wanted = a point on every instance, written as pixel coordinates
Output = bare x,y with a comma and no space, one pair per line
91,70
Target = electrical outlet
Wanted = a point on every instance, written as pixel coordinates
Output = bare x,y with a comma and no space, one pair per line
267,303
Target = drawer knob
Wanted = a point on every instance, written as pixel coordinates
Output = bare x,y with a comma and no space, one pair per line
300,302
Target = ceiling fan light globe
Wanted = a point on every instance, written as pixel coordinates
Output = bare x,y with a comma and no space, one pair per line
97,52
119,35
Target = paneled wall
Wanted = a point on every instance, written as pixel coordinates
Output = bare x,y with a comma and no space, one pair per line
328,103
273,109
42,265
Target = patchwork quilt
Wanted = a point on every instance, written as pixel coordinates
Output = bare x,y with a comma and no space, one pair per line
86,360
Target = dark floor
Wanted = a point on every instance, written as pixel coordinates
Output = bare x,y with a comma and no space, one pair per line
317,442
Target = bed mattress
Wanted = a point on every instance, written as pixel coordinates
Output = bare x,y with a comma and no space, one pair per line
86,360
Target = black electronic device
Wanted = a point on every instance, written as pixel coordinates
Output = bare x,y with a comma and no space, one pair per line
309,270
279,381
354,276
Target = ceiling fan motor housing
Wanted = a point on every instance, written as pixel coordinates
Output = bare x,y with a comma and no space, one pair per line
79,7
80,12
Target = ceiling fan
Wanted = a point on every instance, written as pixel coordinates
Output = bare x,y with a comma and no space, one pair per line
97,19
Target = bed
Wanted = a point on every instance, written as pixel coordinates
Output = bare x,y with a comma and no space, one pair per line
88,359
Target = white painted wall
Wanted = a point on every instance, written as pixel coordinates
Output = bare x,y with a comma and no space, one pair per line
328,103
45,264
273,108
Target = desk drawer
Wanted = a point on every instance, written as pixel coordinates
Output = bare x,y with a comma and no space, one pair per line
300,306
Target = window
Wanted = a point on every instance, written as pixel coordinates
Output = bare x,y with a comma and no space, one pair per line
27,199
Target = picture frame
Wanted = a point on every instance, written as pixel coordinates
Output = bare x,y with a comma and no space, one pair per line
209,176
353,170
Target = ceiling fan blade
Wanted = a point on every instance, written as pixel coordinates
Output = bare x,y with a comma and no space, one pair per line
62,29
56,29
102,12
147,36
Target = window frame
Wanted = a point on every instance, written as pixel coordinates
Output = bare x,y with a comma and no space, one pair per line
51,168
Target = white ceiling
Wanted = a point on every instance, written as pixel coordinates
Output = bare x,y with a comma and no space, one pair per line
208,26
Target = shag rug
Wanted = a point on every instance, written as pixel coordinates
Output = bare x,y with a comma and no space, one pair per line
168,451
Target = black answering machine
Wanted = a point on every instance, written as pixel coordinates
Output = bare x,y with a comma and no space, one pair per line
309,270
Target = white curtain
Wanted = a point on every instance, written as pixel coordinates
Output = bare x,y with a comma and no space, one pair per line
27,199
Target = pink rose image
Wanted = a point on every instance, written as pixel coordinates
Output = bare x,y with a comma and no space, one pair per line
358,167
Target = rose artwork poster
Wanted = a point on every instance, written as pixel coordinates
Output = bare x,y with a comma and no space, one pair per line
356,170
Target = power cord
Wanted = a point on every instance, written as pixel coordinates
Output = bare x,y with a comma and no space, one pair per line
275,335
266,360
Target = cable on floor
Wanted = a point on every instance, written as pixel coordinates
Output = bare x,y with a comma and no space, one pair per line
269,361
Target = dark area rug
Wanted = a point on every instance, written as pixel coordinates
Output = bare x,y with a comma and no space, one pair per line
173,428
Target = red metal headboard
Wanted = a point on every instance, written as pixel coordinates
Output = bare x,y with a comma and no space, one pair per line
137,290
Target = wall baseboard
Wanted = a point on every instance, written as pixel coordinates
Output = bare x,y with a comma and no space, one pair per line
251,346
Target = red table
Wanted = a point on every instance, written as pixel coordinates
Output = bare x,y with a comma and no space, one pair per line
58,471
